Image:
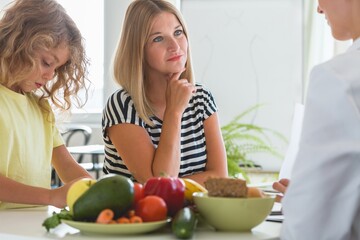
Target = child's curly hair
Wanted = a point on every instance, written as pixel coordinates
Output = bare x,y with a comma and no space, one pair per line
28,26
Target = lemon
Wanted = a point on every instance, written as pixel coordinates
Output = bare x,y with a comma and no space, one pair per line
77,189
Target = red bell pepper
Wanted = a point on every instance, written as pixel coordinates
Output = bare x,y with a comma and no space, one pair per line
171,189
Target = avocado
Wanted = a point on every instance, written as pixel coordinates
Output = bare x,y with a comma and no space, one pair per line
112,191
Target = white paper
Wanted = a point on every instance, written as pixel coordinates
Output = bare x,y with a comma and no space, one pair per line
287,165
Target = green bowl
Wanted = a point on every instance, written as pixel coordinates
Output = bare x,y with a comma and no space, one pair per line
233,214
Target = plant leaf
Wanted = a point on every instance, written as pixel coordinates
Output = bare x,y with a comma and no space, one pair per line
55,219
243,139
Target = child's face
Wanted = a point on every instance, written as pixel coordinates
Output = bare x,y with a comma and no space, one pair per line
338,14
166,48
47,62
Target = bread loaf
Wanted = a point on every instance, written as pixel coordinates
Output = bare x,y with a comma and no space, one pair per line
226,187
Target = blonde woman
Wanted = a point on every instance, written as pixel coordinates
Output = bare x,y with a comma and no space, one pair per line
160,122
42,60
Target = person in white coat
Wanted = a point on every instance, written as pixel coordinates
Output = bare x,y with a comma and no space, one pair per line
322,200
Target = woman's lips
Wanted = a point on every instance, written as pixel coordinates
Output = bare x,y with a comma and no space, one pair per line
38,85
175,58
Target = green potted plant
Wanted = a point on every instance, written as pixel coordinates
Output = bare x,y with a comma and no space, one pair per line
244,139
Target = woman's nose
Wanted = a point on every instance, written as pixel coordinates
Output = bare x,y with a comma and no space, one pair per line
319,10
173,45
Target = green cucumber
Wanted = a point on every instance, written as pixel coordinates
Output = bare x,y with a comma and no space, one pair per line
184,223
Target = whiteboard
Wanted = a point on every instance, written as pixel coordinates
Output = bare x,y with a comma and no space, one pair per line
248,52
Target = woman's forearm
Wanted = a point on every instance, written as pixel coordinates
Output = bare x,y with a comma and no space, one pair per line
167,155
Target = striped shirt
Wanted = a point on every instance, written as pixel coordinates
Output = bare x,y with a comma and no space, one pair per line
120,109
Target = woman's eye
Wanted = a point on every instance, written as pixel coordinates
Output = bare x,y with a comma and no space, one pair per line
158,39
178,32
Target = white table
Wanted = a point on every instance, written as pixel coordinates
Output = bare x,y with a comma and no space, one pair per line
95,151
26,224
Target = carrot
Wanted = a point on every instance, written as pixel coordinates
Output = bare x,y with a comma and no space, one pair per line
136,219
123,220
105,216
131,213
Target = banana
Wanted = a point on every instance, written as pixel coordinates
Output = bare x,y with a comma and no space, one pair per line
190,187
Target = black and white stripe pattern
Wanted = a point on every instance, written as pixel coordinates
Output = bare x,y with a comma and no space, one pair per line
120,109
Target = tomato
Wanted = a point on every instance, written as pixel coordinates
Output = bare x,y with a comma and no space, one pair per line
138,192
151,208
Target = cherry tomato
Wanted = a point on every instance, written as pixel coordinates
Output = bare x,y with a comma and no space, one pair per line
138,192
151,208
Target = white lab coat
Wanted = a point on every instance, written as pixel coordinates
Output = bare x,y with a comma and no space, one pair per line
323,199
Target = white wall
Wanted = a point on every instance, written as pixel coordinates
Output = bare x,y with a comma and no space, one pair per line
250,52
3,3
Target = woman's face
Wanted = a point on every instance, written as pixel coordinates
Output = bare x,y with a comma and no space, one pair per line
166,48
338,13
47,61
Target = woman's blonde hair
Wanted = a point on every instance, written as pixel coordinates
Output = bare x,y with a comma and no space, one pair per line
129,64
31,25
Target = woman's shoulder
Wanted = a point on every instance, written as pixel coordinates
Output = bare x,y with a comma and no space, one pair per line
120,95
202,89
119,102
120,92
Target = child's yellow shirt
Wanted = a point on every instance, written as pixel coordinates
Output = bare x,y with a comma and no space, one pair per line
27,138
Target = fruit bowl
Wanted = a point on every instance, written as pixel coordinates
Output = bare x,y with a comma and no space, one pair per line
233,214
